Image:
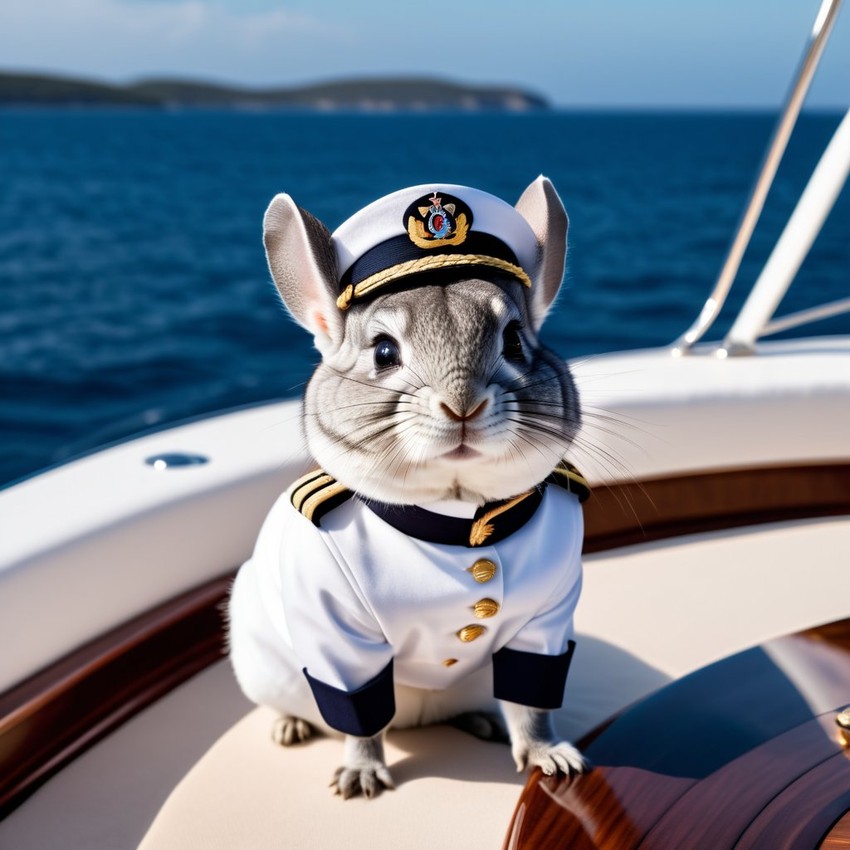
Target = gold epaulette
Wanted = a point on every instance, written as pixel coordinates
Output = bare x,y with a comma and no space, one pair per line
317,493
567,476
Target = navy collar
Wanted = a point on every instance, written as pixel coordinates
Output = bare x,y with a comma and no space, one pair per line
491,523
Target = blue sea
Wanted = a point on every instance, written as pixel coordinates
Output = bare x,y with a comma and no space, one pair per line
133,286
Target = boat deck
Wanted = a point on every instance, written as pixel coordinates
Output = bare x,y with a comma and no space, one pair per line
650,614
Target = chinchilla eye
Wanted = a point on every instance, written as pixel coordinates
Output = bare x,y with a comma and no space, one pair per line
387,355
512,343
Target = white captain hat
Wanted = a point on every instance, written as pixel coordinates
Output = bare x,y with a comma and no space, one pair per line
426,228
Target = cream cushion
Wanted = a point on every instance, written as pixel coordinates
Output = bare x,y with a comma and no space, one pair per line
246,792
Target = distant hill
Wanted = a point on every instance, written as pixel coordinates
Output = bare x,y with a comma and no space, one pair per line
44,89
373,94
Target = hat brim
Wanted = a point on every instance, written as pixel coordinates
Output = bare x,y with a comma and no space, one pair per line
370,285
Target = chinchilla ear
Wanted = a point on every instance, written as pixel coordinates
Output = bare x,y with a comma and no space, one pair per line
303,265
541,207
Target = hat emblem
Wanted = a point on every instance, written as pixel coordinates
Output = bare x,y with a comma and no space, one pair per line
439,219
434,221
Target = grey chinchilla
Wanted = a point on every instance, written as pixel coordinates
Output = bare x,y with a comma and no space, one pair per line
439,390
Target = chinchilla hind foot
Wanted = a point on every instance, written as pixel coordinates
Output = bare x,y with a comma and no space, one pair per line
288,731
486,725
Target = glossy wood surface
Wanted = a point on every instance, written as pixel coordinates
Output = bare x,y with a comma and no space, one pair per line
839,835
742,754
799,817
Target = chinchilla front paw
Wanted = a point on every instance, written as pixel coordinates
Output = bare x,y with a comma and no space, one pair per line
365,769
289,730
551,757
368,780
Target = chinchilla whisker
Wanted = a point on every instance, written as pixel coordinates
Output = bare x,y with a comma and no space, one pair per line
343,442
528,438
626,502
533,423
531,410
521,410
615,434
371,387
625,419
532,371
416,375
390,403
293,387
589,360
538,415
593,417
516,450
375,470
408,461
366,429
615,466
521,384
279,423
611,429
618,463
538,402
404,432
614,469
396,457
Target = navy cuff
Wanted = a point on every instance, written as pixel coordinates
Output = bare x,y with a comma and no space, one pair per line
531,679
363,712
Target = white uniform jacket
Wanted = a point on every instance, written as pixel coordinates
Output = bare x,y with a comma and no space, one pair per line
367,595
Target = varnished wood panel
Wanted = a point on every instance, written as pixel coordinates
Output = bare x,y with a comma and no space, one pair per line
742,754
654,509
607,808
839,835
50,718
799,818
715,812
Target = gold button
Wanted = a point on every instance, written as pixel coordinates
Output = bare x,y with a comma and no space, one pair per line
449,662
468,633
843,721
482,570
485,608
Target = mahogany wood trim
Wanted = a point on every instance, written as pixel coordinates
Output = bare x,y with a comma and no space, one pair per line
715,812
839,836
654,509
56,714
799,817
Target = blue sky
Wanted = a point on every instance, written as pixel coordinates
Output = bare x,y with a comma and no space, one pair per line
712,53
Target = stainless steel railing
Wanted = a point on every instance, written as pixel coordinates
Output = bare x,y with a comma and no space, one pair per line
811,57
816,202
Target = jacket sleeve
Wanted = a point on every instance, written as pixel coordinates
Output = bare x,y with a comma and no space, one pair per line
531,669
334,634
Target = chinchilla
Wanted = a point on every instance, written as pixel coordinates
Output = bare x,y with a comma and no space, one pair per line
435,391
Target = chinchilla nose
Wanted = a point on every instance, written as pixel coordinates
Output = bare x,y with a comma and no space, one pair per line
471,412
